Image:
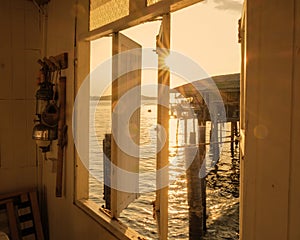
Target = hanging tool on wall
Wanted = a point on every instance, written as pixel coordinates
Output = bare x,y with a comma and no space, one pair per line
51,108
60,62
62,135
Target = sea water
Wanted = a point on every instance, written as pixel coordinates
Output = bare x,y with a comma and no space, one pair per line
222,205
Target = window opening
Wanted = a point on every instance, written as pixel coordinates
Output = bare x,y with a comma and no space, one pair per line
223,182
215,48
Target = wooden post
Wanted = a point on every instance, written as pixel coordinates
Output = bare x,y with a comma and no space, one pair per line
185,130
202,153
232,138
210,139
193,133
162,157
61,135
192,137
196,188
215,144
236,133
107,170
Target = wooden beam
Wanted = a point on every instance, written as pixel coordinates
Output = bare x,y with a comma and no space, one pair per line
136,5
162,158
136,17
180,4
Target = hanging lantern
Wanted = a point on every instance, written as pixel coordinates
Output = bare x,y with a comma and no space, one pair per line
50,115
43,96
45,131
43,135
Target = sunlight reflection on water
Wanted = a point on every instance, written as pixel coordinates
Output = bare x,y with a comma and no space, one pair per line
139,214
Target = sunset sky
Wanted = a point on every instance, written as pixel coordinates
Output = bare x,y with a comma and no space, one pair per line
206,32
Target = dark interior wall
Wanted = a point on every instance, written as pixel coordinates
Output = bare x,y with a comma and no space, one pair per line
24,38
66,220
20,47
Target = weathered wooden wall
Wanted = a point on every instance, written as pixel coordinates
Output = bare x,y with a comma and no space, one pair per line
20,47
24,39
67,220
270,166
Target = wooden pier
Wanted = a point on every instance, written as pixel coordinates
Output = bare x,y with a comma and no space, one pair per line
203,91
194,100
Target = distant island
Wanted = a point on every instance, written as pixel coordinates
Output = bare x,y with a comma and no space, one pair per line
108,98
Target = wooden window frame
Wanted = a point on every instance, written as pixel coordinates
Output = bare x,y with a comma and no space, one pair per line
82,69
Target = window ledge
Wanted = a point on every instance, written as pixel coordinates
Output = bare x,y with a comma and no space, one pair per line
114,226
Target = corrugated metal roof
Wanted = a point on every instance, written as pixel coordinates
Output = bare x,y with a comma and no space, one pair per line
224,83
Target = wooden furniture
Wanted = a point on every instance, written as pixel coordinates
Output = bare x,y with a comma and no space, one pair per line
23,215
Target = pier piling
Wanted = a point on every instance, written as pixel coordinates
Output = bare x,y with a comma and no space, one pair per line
196,188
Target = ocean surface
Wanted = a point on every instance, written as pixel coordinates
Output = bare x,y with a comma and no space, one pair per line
222,184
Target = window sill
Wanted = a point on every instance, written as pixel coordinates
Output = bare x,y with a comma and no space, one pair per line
115,227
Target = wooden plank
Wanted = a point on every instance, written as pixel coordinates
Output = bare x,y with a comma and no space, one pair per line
36,216
28,207
15,194
61,136
14,232
4,202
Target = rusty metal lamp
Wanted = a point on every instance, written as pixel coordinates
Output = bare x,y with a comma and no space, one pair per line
43,135
45,130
